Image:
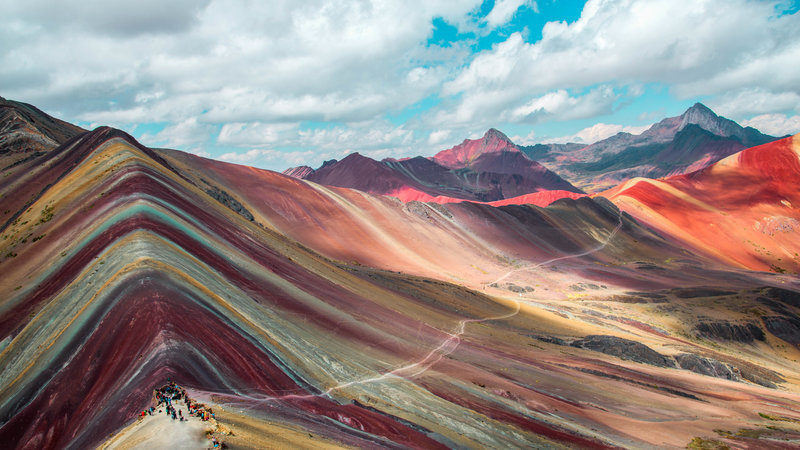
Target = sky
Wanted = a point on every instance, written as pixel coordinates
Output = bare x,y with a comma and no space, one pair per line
283,83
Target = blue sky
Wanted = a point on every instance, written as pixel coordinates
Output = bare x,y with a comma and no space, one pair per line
285,83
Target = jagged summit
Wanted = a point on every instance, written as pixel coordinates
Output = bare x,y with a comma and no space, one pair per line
702,116
27,129
495,135
493,141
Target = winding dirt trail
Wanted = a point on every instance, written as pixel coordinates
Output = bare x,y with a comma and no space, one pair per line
560,258
450,344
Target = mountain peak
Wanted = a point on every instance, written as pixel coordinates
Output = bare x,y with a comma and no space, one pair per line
699,114
495,134
700,108
25,128
462,155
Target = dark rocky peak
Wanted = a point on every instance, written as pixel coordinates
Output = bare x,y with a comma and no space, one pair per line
493,136
25,128
702,116
328,163
699,114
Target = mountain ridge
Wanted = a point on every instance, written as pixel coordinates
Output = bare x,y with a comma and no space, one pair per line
498,174
659,139
327,316
27,129
694,139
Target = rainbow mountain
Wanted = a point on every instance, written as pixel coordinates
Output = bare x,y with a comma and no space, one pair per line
312,315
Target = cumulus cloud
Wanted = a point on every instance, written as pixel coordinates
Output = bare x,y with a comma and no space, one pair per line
561,106
775,124
323,76
438,136
120,19
230,60
186,133
504,10
598,132
744,102
250,156
698,48
241,134
390,140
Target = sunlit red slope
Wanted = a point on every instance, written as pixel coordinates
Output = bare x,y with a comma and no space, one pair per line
465,242
744,210
540,198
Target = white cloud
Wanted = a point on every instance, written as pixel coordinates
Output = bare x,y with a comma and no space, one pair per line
504,10
250,156
227,60
560,105
598,132
323,76
438,136
775,124
744,102
364,138
241,134
121,19
701,47
183,134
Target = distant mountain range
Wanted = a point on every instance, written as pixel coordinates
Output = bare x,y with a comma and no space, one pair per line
488,169
494,168
675,145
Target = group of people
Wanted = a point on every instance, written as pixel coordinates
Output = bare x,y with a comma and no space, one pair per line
166,394
171,392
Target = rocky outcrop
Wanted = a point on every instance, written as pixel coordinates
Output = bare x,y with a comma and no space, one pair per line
641,297
786,328
782,295
512,287
707,366
224,198
549,339
742,371
25,128
625,349
729,331
695,292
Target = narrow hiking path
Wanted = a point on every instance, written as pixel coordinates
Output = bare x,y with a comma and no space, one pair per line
449,345
533,266
160,430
